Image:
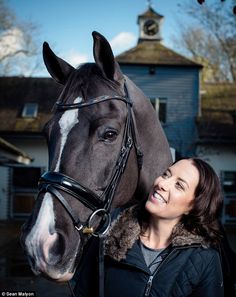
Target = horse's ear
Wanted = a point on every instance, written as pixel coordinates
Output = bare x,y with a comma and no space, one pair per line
104,57
57,67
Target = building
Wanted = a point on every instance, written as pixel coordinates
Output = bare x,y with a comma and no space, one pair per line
170,80
201,123
216,142
25,106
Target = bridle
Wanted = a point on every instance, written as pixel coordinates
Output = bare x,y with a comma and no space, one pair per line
55,182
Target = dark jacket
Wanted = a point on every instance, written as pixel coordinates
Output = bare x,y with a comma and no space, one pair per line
190,269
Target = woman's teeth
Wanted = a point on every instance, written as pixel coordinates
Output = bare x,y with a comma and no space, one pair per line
159,197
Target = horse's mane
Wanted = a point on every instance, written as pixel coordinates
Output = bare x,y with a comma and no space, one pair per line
85,78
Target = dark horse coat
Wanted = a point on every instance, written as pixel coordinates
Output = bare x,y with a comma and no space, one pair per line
190,269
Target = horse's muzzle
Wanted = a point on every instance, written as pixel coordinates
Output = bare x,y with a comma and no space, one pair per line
49,255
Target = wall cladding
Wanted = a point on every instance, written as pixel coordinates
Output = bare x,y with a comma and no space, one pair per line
180,85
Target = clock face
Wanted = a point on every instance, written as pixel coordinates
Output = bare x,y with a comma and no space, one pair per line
150,27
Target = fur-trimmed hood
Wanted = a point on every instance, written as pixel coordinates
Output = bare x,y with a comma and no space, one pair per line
125,230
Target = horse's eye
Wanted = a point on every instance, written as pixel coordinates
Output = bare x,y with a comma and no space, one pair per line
110,135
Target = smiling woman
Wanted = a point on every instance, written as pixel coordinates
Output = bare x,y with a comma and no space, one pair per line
167,245
173,192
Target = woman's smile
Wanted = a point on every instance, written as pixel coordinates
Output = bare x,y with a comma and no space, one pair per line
156,197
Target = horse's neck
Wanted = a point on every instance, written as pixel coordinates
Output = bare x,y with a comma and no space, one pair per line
151,140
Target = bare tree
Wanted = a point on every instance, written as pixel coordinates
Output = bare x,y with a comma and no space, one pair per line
18,50
211,39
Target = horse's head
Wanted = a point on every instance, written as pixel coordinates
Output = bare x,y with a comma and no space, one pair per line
94,157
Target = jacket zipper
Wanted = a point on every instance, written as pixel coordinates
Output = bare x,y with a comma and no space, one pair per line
148,286
149,282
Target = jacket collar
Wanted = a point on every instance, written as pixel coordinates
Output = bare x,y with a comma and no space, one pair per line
125,231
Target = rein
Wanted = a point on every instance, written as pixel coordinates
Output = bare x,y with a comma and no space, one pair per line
56,182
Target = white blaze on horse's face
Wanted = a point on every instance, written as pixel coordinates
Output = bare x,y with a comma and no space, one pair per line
43,234
68,120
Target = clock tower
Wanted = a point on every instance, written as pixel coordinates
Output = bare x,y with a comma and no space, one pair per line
150,23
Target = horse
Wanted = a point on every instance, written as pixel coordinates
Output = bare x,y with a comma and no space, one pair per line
105,146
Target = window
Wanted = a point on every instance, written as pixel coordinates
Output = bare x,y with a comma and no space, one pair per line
160,105
24,188
229,181
30,110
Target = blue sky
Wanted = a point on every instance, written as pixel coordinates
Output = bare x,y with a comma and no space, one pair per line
67,24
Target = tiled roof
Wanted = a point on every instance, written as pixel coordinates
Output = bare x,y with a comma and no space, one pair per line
15,92
214,132
218,120
10,154
219,99
154,53
150,13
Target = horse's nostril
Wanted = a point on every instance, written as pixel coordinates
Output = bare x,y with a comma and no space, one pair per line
59,245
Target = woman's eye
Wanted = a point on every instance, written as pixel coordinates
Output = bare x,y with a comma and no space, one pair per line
165,175
179,186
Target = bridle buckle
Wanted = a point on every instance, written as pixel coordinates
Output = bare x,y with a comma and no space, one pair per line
78,228
88,230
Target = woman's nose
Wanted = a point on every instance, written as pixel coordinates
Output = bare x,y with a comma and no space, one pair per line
163,184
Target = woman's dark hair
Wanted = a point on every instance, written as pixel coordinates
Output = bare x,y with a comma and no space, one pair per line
203,219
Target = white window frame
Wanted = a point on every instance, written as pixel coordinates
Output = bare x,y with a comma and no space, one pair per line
30,110
156,101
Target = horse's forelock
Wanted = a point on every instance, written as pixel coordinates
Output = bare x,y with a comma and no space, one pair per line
87,79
